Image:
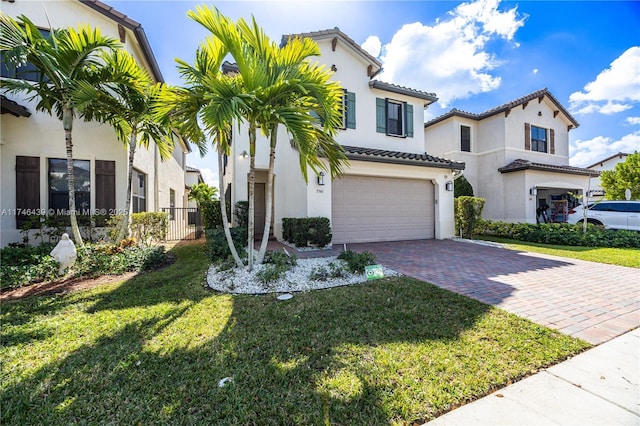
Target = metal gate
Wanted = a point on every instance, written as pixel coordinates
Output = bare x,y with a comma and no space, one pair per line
184,223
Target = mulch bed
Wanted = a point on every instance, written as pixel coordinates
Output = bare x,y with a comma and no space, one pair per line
71,284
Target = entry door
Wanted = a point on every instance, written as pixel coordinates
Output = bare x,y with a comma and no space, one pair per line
260,208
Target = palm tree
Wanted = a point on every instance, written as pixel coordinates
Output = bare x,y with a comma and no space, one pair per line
63,59
205,110
284,88
127,107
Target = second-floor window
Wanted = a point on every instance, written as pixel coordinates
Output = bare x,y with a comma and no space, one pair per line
395,118
538,139
465,138
27,71
348,108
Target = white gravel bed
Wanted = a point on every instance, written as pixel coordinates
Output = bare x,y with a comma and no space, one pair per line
241,281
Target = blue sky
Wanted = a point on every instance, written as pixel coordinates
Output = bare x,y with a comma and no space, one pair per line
474,55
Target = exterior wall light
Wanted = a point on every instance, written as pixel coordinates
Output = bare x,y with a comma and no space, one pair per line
321,178
244,154
448,186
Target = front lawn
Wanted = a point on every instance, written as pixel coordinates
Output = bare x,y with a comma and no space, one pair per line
152,350
614,256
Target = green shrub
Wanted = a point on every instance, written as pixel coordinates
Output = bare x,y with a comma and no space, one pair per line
561,234
149,227
462,188
307,230
28,265
321,273
241,212
468,211
276,264
219,248
357,261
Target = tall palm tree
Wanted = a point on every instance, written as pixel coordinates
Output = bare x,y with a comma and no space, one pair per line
127,106
206,109
285,88
63,59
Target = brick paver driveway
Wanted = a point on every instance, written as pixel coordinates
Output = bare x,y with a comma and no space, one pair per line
592,301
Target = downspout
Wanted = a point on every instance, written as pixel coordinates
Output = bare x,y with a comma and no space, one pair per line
156,192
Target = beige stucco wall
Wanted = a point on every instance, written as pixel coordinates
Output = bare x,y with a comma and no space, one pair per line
42,135
497,141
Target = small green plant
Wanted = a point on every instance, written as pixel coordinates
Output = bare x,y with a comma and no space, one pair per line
322,273
276,264
219,251
149,227
357,261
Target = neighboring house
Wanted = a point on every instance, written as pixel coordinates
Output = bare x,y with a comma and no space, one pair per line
516,156
32,149
609,163
194,177
391,190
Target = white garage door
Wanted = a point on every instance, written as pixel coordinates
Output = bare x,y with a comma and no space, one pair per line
368,209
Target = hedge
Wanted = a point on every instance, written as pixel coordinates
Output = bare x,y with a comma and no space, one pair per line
305,231
561,234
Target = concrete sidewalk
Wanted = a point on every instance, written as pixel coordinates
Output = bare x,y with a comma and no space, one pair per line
598,387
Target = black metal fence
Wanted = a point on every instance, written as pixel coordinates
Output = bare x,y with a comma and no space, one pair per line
184,223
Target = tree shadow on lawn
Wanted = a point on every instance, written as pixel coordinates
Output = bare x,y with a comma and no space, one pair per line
395,350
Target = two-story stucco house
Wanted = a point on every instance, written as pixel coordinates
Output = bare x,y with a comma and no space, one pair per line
609,163
32,148
391,189
516,156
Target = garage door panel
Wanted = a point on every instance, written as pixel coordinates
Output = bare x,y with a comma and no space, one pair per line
368,209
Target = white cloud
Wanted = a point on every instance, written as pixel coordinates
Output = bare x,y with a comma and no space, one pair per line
633,120
614,90
372,45
535,71
584,153
210,176
458,65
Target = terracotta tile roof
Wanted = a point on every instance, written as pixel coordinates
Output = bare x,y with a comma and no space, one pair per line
519,165
377,84
134,26
397,157
539,94
335,32
13,108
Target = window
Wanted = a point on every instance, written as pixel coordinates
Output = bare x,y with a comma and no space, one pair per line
172,204
27,71
59,189
538,139
139,192
465,138
348,108
395,118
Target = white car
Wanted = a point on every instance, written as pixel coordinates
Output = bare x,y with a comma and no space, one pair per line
610,214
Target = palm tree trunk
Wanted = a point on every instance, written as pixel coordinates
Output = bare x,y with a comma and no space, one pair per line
252,198
223,210
269,196
124,228
67,123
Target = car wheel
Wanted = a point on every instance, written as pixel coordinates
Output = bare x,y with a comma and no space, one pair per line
594,222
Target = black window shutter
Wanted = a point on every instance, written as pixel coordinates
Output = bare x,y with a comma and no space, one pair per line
105,185
409,119
381,115
552,142
351,110
27,187
527,137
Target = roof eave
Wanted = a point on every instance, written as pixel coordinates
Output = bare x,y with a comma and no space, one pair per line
405,162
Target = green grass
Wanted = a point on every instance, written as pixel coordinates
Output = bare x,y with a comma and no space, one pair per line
614,256
151,350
